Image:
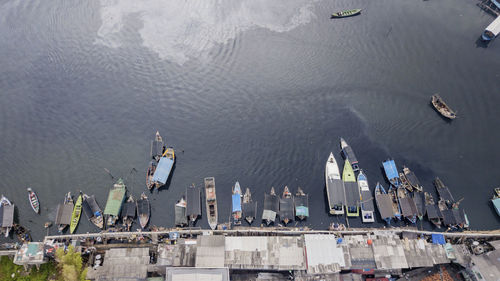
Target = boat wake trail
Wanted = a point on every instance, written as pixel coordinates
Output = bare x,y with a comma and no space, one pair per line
181,30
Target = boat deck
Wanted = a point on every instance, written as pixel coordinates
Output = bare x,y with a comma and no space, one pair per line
193,201
408,208
249,209
349,154
63,215
129,209
384,205
301,206
180,216
115,200
351,194
418,200
286,209
271,207
367,201
163,170
433,212
336,193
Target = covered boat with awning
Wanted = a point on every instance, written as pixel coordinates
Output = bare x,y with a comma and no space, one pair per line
164,168
391,172
114,204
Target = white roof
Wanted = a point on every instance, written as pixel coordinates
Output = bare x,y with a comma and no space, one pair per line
494,26
323,255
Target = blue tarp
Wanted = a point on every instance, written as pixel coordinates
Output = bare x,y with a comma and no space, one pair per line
438,239
390,170
236,202
163,170
302,211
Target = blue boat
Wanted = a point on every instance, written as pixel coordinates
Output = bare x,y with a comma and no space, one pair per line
391,172
164,168
384,203
491,30
236,199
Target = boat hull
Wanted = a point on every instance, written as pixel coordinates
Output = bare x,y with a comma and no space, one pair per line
75,216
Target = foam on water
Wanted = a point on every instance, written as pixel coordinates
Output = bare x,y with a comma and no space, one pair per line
180,30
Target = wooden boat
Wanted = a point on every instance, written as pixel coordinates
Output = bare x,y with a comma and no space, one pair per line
249,207
92,210
442,107
432,212
346,13
7,218
412,179
334,187
301,203
211,202
143,210
351,190
286,206
395,205
33,199
271,207
391,172
367,207
128,212
180,213
404,182
236,202
384,203
77,212
418,199
157,147
349,154
164,168
22,233
149,174
193,203
63,217
116,197
408,208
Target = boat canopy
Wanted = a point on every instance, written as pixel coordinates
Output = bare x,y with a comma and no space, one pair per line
301,206
432,212
445,194
412,179
286,208
271,207
236,203
302,211
390,170
129,209
408,208
418,199
336,193
269,215
351,194
115,200
6,215
249,209
384,204
494,27
448,217
163,170
63,215
180,216
193,201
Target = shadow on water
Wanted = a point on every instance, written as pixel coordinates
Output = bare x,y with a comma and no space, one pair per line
480,43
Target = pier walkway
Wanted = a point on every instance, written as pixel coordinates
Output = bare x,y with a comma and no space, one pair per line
272,232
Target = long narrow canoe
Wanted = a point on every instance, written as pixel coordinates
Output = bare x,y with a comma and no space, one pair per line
75,216
347,13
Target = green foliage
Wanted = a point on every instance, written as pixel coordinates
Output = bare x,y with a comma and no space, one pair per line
70,265
7,267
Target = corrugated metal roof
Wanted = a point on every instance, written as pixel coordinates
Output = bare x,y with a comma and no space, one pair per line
384,204
322,254
115,200
163,170
64,212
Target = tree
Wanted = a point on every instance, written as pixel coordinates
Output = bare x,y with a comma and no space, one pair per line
70,265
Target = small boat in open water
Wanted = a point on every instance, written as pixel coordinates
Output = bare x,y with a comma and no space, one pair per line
236,200
143,210
249,207
92,210
75,216
346,13
286,206
301,202
442,107
33,199
211,202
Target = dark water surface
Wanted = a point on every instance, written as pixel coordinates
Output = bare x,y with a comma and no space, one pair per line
254,91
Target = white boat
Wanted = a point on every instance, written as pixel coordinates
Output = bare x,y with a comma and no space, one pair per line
334,187
492,30
7,217
367,207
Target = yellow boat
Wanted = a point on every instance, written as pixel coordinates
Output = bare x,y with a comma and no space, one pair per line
75,216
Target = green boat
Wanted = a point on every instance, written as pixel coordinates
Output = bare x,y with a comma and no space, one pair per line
116,197
347,13
75,216
351,190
